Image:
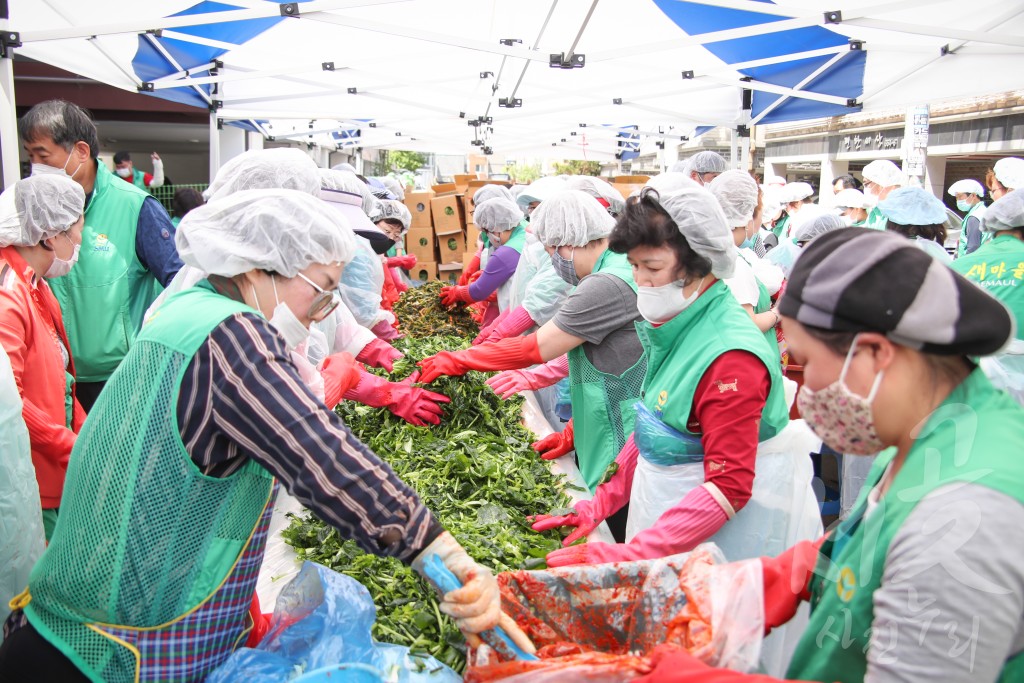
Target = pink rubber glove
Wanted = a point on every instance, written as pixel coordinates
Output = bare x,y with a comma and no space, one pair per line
695,519
486,330
513,325
511,382
385,331
340,373
399,281
609,498
555,445
412,404
404,262
379,354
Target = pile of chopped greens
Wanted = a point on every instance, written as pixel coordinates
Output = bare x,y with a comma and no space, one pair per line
421,314
475,471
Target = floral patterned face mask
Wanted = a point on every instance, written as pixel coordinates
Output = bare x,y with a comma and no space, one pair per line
840,417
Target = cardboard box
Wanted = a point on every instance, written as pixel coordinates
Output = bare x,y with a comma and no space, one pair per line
451,247
420,243
448,214
631,179
466,202
449,273
443,189
467,258
418,204
424,272
472,235
462,182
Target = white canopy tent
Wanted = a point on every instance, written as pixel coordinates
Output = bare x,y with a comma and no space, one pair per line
533,77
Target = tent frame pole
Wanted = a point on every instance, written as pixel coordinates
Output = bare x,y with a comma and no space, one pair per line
214,146
8,116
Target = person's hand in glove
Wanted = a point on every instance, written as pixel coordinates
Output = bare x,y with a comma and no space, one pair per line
412,404
406,262
471,269
385,330
609,498
512,382
517,352
555,445
341,373
787,580
476,607
486,330
455,295
416,405
515,323
379,354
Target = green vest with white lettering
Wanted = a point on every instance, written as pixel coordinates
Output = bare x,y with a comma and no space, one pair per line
106,294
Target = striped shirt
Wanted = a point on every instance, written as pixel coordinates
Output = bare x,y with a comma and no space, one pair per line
241,398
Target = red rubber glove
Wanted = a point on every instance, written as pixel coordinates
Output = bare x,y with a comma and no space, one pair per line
673,664
485,331
609,498
517,352
396,277
512,382
787,581
515,323
406,262
389,291
473,267
416,405
379,354
384,330
341,373
555,445
455,295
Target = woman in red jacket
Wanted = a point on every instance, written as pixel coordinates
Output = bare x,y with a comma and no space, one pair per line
40,235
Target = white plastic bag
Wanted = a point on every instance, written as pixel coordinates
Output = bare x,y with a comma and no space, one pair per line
361,283
1006,370
343,333
21,514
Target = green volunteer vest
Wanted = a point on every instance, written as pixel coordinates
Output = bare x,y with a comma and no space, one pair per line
961,245
138,178
105,296
876,220
680,351
780,226
602,404
998,266
967,439
517,240
143,536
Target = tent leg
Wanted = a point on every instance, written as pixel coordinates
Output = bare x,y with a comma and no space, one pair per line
734,153
745,163
8,118
214,146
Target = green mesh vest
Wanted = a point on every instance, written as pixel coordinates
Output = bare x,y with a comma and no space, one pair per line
105,296
602,404
680,352
974,436
143,536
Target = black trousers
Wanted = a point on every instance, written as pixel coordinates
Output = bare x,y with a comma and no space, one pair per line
27,657
88,392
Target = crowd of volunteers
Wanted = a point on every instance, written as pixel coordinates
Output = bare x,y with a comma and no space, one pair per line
175,373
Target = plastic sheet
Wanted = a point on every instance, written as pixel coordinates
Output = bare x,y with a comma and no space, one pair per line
323,619
1006,370
21,517
361,285
597,622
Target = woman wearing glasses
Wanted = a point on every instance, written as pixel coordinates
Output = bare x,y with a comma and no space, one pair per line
154,560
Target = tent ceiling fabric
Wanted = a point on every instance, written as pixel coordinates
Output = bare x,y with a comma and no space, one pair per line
411,67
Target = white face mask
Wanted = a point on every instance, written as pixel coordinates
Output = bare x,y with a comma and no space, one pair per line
871,200
660,304
60,267
123,172
43,169
847,220
286,322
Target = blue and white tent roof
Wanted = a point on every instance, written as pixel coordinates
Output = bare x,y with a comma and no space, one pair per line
415,74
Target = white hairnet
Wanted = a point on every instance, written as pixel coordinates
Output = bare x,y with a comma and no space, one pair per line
883,172
1010,172
347,181
850,199
805,216
771,204
598,188
282,231
485,192
516,190
670,182
699,218
344,167
392,209
821,223
736,192
39,207
707,162
571,218
967,186
539,190
775,180
1005,213
394,187
796,192
497,215
263,169
913,206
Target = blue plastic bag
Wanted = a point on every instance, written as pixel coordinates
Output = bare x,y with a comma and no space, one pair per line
322,620
663,445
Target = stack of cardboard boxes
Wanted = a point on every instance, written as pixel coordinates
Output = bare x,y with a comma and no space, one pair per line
442,235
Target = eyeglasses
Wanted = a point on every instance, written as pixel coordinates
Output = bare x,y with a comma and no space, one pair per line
324,304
